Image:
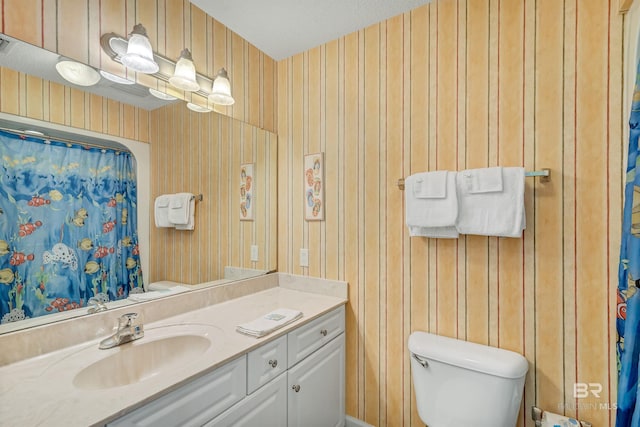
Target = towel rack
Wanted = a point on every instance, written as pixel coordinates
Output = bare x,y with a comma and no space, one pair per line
198,197
543,174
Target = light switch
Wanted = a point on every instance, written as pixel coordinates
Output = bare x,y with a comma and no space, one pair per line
304,257
254,252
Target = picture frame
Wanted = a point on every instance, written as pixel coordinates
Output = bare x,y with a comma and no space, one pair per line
247,192
314,187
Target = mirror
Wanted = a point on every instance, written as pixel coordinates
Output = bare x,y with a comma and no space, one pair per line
208,154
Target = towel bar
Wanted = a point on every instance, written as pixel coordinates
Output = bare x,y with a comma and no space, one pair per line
544,174
198,197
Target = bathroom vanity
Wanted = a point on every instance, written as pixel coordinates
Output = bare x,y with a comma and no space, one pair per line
194,368
291,380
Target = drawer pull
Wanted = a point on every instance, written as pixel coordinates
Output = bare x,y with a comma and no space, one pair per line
295,387
323,332
273,363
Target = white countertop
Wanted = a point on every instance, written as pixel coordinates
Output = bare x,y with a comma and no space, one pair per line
40,390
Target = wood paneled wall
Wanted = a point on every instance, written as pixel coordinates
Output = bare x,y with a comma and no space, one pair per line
73,29
202,153
452,85
32,97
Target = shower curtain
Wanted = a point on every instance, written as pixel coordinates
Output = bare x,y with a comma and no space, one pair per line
628,309
68,228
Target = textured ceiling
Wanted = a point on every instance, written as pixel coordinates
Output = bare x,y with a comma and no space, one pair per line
281,28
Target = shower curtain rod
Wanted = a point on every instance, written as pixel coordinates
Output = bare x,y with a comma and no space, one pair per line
543,174
61,139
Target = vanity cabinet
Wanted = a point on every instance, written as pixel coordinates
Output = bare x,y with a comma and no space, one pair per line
295,380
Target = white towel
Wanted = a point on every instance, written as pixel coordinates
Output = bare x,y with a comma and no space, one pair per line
179,208
191,221
495,213
268,323
431,216
488,180
151,295
161,211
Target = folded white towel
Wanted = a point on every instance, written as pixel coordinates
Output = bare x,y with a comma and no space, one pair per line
487,180
161,211
497,213
151,295
432,216
268,323
191,221
430,185
179,208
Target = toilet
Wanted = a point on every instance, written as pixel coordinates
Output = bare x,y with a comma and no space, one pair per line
459,383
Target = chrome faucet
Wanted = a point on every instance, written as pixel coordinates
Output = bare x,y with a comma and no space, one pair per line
127,330
95,305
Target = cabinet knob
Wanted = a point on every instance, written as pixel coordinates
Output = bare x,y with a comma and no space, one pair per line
323,332
295,387
273,363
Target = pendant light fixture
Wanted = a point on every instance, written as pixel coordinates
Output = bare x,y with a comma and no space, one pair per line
184,76
139,56
221,89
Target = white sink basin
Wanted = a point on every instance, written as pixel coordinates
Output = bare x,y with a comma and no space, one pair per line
161,350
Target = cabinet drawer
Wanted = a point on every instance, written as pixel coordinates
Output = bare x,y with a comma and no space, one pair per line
265,407
265,363
196,402
310,337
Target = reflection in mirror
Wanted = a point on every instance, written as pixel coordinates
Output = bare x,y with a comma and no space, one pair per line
222,247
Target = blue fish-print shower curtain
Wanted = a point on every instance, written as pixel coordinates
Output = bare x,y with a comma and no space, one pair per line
68,227
628,312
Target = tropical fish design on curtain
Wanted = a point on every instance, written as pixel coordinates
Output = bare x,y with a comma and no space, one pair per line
628,312
68,228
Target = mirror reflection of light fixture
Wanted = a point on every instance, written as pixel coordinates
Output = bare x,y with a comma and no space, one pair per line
184,76
198,108
221,89
116,79
77,73
139,56
161,95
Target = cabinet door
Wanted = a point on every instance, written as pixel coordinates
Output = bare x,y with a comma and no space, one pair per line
194,403
316,388
265,363
267,407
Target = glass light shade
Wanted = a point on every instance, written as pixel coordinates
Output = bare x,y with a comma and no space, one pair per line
161,95
197,108
77,73
116,79
184,76
221,89
139,56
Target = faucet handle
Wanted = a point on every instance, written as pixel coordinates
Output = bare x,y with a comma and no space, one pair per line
127,319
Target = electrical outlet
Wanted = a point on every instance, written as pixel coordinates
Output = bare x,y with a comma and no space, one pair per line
254,252
304,257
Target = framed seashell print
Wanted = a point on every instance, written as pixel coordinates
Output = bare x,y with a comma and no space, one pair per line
247,192
314,187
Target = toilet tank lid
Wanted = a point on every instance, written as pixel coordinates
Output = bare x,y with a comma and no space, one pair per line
465,354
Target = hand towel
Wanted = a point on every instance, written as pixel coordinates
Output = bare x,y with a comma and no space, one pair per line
496,213
151,295
161,211
431,216
191,221
431,185
179,208
270,322
486,180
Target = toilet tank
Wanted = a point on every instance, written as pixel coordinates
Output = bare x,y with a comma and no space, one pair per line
465,384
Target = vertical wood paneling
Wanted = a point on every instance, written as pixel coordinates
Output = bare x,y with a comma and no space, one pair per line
207,150
484,83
